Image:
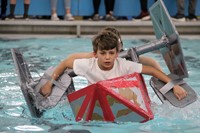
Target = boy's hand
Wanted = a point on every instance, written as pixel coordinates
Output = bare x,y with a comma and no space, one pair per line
179,92
46,89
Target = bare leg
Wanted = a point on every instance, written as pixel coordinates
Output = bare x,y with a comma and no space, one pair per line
27,2
13,2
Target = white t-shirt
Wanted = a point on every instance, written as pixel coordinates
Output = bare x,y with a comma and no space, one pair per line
89,69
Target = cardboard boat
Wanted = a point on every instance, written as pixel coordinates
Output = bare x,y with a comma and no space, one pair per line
121,99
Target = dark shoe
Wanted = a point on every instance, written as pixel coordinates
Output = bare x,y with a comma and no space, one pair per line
179,18
3,16
110,18
192,17
142,15
10,17
96,17
26,17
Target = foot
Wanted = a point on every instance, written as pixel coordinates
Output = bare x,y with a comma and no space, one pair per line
54,17
110,18
142,15
146,18
69,17
10,17
3,16
26,17
179,18
96,17
192,17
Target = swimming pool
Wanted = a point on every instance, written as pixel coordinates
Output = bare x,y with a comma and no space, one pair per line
42,53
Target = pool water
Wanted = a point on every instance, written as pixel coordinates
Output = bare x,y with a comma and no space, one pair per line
42,52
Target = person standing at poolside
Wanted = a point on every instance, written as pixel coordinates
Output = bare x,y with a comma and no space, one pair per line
12,9
105,65
67,4
109,5
180,17
144,14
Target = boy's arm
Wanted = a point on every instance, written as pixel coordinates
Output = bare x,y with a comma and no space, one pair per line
149,62
67,63
179,92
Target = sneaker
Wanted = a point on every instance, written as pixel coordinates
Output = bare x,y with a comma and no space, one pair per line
54,17
179,18
146,18
142,15
96,17
10,17
192,17
26,17
69,17
110,18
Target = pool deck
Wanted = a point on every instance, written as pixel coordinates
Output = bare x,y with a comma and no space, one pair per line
85,27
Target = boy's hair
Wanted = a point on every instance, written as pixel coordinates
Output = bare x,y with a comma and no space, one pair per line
105,40
114,30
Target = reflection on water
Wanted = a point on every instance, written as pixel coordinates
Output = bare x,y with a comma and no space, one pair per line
42,53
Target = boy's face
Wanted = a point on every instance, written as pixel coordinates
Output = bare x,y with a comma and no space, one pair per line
106,58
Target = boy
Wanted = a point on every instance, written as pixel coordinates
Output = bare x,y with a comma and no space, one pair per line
105,65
